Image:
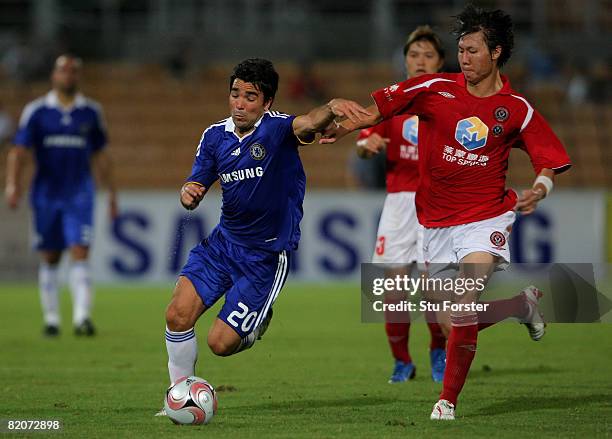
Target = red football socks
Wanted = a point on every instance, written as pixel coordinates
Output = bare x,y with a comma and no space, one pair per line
499,310
397,334
460,352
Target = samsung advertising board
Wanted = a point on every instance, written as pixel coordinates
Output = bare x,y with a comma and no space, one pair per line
152,237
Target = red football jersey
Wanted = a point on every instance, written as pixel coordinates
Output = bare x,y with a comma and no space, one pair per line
464,145
402,152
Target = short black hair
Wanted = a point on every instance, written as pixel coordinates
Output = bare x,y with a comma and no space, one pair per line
259,72
496,27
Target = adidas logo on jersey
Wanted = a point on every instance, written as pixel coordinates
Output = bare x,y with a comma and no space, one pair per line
446,94
236,152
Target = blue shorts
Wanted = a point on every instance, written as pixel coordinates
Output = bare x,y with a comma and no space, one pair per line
59,224
250,279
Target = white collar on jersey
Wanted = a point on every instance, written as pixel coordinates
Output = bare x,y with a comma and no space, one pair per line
53,101
230,127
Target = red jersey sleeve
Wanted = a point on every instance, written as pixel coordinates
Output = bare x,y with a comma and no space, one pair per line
405,97
542,145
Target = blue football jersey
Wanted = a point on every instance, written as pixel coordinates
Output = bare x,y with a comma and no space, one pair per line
63,140
262,179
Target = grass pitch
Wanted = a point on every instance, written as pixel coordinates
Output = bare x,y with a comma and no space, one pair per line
319,372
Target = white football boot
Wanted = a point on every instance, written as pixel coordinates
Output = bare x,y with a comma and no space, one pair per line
443,411
536,326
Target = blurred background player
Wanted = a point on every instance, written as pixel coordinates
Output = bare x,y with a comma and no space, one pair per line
254,153
6,127
399,237
66,133
470,121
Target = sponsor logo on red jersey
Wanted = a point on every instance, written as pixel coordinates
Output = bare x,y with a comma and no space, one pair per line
471,133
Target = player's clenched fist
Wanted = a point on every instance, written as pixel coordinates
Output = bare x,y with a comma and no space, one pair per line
371,146
191,195
528,202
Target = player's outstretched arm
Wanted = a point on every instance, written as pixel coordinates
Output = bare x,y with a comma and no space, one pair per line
336,131
191,194
14,166
318,119
103,166
542,186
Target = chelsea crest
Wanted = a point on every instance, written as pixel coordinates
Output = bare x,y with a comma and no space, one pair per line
258,152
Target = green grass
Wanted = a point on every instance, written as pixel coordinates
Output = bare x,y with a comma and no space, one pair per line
319,372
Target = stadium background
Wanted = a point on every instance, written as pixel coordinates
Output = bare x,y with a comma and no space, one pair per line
160,69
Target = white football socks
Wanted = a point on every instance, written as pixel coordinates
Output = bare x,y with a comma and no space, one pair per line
182,353
81,290
49,293
248,341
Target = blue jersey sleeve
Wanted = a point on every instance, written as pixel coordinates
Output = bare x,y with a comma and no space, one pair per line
284,128
98,136
25,135
204,169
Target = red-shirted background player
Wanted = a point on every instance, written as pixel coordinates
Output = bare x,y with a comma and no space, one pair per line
400,236
470,122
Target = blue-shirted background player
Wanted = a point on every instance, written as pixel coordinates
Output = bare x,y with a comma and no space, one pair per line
254,155
65,131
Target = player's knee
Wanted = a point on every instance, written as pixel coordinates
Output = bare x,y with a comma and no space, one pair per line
79,252
51,258
220,347
445,327
177,320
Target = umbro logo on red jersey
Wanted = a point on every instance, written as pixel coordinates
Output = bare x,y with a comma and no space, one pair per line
446,94
236,152
389,90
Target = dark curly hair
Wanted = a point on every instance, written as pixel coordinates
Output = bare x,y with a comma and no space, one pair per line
496,27
259,72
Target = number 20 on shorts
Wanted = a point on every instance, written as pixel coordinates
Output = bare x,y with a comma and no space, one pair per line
247,318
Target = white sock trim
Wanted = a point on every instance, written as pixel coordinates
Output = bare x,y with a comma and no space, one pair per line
49,292
81,290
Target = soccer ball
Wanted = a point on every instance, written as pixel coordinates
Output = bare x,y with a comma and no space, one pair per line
191,400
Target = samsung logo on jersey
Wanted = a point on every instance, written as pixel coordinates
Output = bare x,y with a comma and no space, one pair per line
242,174
64,141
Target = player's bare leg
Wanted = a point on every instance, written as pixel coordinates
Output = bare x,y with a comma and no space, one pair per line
82,291
442,317
224,341
49,290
